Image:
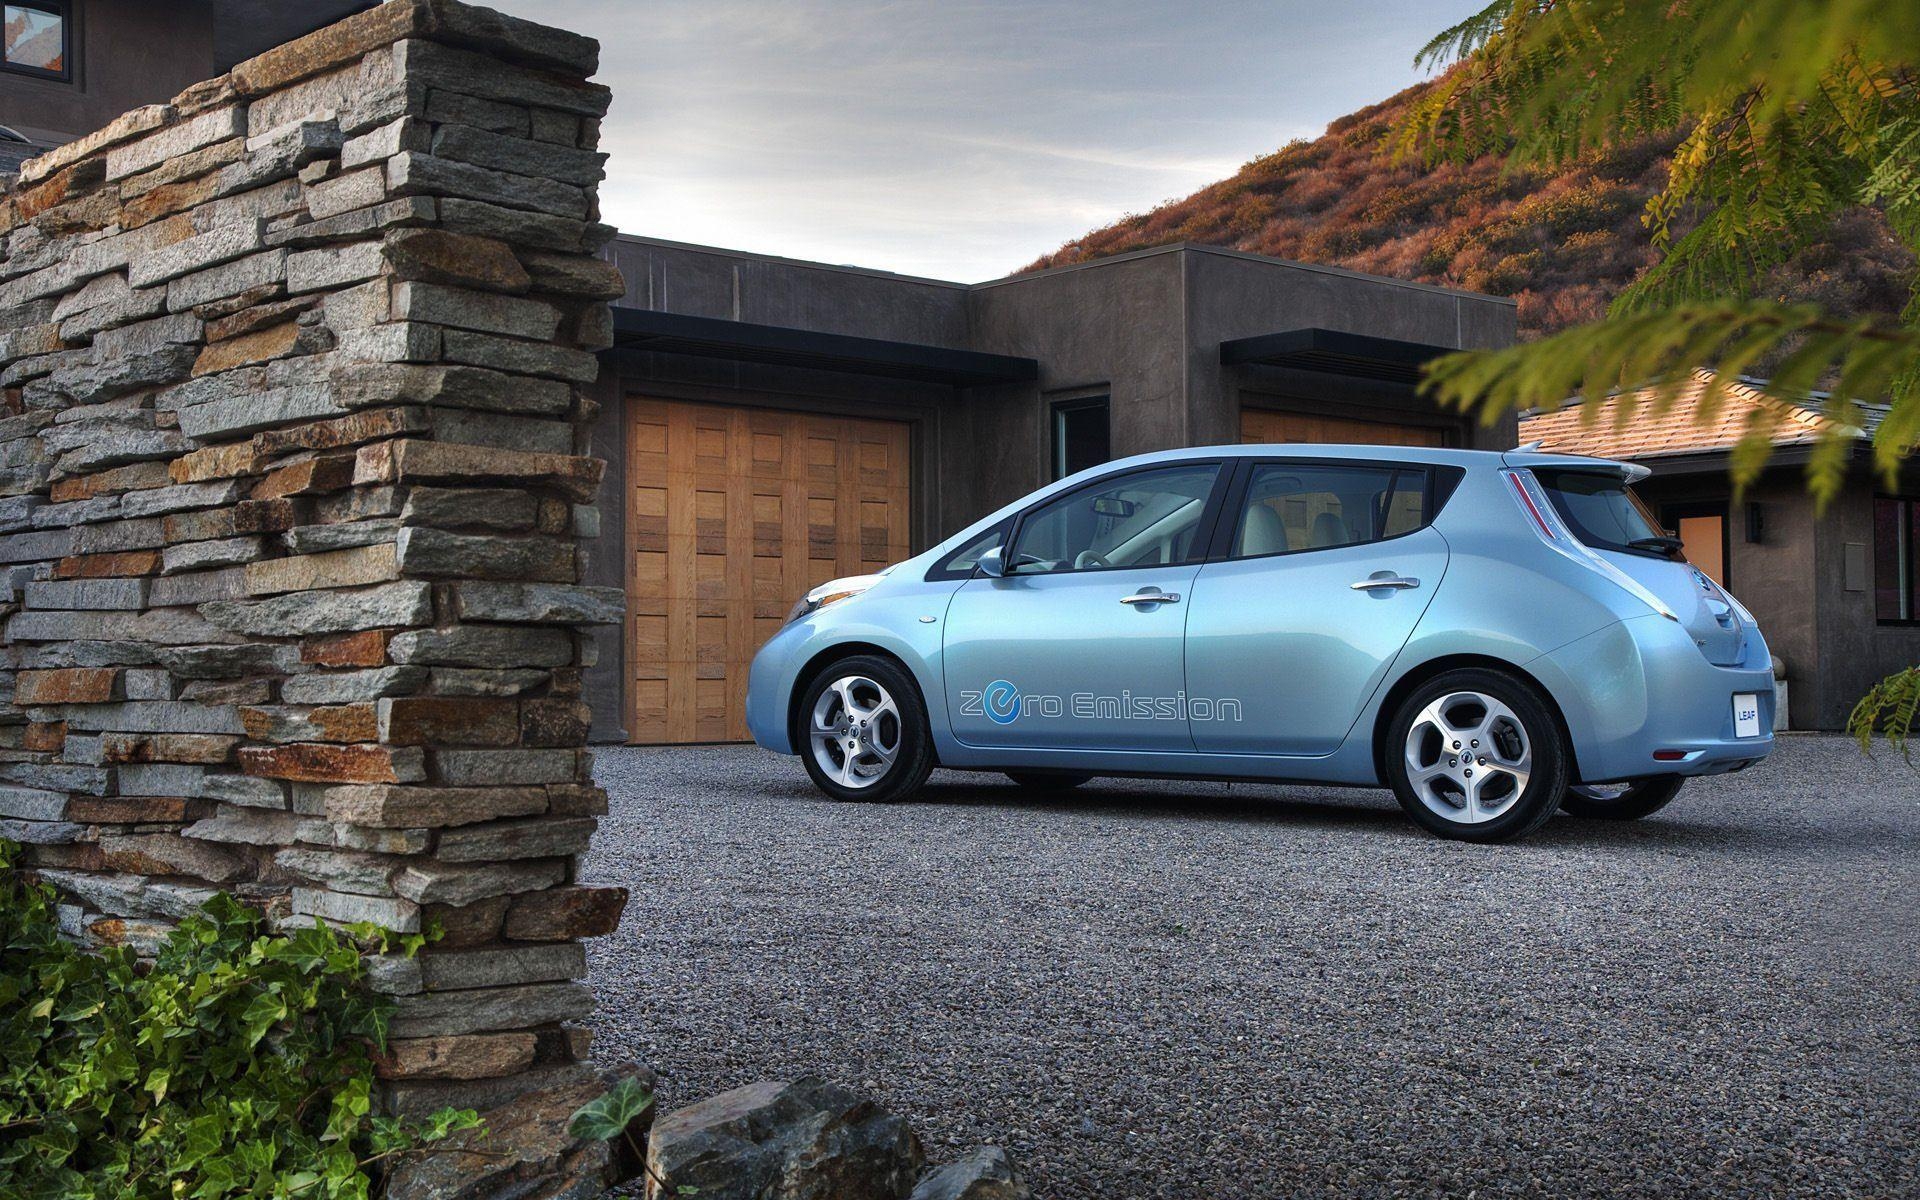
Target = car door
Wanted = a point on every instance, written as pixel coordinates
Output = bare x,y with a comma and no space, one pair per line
1323,569
1079,645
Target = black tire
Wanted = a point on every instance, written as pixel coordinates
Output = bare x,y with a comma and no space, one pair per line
1642,798
1041,781
1515,813
913,759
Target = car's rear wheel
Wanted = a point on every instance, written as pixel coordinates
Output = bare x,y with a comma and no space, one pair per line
1041,781
1478,756
1627,801
865,732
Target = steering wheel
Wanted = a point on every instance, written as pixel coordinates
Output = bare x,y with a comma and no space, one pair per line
1089,558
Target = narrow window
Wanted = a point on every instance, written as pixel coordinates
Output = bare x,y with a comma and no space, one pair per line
37,39
1895,521
1081,435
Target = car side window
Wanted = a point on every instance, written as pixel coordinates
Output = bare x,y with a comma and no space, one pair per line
1291,507
1142,518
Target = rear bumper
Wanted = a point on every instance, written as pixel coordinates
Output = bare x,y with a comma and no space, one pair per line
1640,699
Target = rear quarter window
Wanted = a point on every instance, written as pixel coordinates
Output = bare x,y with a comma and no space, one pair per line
1604,513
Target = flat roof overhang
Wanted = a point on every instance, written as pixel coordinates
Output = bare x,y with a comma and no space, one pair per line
743,341
1332,352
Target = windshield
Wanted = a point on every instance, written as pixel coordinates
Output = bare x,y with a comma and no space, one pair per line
1604,513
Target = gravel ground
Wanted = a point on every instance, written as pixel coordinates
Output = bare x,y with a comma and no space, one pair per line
1196,990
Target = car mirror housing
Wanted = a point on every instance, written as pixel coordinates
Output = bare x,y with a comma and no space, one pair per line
991,564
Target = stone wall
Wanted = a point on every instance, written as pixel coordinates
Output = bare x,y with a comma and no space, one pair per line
294,500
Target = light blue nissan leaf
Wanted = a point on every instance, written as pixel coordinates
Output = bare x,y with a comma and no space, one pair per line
1493,636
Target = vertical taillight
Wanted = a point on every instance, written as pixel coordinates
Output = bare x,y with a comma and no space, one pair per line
1526,502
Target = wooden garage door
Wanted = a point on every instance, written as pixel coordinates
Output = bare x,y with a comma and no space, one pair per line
1259,425
732,514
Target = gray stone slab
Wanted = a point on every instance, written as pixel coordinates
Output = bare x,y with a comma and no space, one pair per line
455,969
506,768
486,312
171,716
123,895
400,916
33,804
160,779
181,497
483,646
87,593
41,833
550,603
431,882
210,249
353,687
220,419
246,790
478,1009
300,613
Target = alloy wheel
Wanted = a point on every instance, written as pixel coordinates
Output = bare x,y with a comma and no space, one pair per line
1468,757
855,731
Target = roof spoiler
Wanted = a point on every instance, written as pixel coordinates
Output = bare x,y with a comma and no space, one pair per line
1632,472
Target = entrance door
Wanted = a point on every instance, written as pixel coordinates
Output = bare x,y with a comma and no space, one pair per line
1260,426
1286,641
1702,530
732,514
1079,646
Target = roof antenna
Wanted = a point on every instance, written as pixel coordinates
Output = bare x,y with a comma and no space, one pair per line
1532,447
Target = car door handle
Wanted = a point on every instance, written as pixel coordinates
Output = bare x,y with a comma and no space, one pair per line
1151,598
1385,581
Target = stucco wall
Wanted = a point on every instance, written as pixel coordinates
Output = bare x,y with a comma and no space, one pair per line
126,53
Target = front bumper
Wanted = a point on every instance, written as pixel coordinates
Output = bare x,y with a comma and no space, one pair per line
1640,699
770,682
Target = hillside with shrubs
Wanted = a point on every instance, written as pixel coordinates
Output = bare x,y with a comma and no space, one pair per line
1562,243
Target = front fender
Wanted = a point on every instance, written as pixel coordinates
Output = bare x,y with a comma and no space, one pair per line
891,621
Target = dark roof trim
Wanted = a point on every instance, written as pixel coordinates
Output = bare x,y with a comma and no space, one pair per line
1335,353
244,28
1719,459
711,337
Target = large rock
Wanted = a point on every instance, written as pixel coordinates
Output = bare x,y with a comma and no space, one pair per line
807,1140
525,1151
985,1173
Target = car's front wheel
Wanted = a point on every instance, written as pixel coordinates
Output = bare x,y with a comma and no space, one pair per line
1627,801
865,731
1477,755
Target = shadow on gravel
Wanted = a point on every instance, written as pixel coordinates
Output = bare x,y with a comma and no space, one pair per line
1339,808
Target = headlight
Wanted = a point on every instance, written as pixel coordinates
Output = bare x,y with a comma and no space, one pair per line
833,591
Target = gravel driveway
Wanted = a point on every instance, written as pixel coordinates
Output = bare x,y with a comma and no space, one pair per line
1204,991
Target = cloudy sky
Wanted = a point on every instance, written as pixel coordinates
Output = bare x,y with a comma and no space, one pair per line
961,138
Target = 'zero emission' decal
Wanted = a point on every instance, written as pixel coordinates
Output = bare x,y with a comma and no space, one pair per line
1003,703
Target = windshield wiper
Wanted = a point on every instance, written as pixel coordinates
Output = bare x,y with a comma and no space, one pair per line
1667,545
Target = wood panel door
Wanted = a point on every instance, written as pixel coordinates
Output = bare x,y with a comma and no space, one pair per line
732,514
1265,427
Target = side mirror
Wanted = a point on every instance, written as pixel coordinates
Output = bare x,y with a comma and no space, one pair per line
991,564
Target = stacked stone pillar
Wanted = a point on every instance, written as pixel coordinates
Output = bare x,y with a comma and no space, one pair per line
294,499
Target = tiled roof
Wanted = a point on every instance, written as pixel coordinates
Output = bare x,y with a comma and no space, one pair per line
1628,426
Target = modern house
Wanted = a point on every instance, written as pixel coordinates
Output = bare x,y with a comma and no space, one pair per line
1836,590
770,424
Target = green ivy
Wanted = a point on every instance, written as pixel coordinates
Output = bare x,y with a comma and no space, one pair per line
238,1063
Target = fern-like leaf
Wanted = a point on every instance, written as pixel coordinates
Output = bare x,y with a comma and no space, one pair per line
1889,710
